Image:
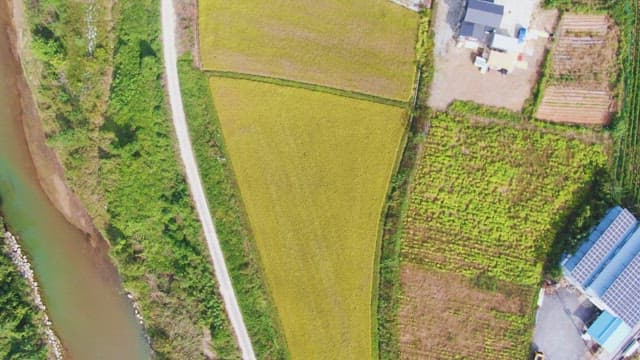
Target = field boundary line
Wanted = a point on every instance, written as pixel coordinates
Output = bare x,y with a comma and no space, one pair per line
308,86
194,181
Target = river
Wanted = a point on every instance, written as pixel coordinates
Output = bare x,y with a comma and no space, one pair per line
80,286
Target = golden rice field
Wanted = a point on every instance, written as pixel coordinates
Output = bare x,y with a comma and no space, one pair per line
358,45
313,170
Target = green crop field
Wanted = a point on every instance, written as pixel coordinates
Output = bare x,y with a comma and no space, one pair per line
487,201
488,198
358,45
313,170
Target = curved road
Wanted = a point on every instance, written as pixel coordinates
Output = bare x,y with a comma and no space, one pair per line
195,184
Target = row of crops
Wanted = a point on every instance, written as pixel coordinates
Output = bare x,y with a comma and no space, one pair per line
489,198
627,159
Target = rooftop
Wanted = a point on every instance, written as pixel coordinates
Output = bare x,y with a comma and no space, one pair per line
484,13
608,331
607,266
481,18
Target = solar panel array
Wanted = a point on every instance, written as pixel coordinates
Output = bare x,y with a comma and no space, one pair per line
603,247
623,296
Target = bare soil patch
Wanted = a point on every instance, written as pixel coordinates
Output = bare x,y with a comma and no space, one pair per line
584,61
471,323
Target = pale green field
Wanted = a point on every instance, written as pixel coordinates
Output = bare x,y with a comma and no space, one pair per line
359,45
313,170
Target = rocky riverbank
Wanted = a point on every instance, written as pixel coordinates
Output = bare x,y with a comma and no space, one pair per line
13,249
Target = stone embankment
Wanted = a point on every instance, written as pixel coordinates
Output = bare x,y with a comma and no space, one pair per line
137,310
21,262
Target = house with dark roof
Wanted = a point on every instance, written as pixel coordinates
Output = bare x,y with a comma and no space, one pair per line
481,19
606,268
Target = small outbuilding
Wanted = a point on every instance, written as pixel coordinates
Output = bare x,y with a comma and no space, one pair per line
505,43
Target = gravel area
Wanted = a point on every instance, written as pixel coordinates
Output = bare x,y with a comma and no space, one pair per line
559,324
448,16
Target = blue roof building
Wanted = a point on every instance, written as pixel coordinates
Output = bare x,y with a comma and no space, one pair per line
606,268
609,331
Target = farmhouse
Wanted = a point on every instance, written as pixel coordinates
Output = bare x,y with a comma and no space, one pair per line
606,269
482,18
484,27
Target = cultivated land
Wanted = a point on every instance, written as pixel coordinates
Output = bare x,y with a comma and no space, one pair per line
487,200
582,65
313,170
360,45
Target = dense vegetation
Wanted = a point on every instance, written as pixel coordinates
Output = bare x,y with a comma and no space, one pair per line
21,335
126,137
72,74
477,209
227,209
627,131
313,169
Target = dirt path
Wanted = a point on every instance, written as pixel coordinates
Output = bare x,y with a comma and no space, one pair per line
195,184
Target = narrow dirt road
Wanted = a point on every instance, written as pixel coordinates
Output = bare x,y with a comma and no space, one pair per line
195,184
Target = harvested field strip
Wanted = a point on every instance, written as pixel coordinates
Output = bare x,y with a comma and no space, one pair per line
365,46
307,86
596,24
313,170
583,63
471,323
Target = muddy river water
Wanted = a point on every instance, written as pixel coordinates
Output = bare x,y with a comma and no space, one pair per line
81,289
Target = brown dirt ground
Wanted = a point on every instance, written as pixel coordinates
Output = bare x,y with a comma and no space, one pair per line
442,316
455,76
187,29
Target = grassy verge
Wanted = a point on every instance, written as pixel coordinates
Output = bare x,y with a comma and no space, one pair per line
120,137
231,223
21,332
388,287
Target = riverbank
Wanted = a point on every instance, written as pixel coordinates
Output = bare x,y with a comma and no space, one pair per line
12,249
79,284
117,142
49,170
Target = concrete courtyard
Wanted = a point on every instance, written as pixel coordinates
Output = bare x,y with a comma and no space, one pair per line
559,325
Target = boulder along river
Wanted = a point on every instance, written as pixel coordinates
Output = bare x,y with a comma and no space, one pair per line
84,298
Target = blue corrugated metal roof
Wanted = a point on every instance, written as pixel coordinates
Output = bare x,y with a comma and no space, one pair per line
618,263
623,296
608,331
611,215
604,248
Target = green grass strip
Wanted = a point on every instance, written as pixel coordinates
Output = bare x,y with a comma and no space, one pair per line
307,86
227,209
